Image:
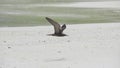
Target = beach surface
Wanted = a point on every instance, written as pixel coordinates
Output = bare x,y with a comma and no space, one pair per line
85,46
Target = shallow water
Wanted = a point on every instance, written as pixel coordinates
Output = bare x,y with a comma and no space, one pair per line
70,13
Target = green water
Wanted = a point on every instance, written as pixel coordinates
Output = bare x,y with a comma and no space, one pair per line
22,15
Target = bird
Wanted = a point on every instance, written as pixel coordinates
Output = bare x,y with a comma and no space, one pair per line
58,29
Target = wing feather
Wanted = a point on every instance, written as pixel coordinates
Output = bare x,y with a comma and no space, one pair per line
55,24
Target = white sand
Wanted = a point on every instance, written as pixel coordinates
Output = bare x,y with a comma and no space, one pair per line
86,46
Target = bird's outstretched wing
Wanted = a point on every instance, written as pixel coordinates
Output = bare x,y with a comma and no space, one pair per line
57,27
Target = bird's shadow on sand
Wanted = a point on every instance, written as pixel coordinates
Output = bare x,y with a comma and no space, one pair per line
61,35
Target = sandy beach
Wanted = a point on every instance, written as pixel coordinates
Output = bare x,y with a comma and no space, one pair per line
86,46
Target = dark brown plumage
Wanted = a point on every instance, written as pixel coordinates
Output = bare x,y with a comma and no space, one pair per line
58,30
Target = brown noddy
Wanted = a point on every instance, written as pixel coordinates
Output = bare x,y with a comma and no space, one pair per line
58,30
